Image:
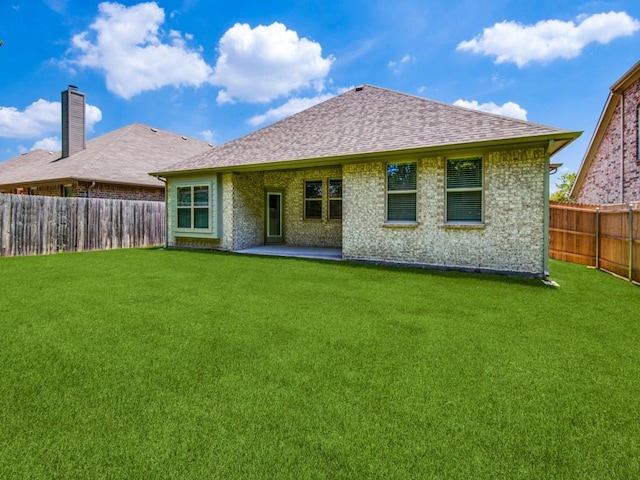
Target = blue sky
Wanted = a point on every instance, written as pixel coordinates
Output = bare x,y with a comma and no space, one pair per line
218,70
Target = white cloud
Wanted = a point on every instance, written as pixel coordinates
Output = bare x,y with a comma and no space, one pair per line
207,136
549,40
126,43
263,63
405,59
52,144
39,118
509,109
293,106
58,6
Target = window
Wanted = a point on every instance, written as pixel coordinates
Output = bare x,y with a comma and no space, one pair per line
67,190
193,206
32,191
313,200
464,190
335,199
401,192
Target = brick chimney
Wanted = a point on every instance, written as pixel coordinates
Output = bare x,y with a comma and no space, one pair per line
73,124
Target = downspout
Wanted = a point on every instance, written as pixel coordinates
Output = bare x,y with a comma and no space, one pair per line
545,228
166,213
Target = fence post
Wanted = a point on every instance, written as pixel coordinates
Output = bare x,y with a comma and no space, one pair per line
631,242
598,238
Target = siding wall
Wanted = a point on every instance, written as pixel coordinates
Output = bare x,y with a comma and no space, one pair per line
511,240
614,175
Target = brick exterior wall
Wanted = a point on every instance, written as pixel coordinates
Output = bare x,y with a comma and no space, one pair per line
99,190
614,175
511,240
243,211
297,230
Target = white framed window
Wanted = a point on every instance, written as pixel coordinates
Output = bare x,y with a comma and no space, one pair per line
465,190
402,191
313,200
193,207
335,199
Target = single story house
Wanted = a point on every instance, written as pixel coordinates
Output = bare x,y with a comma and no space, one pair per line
382,175
610,169
113,165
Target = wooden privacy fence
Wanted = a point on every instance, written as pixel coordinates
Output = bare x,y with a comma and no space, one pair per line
605,237
32,225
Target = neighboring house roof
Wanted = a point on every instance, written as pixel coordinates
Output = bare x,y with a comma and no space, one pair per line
613,100
365,121
123,156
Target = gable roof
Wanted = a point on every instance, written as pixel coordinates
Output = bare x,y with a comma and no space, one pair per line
364,121
123,156
613,100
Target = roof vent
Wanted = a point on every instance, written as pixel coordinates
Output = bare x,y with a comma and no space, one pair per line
360,88
154,130
183,137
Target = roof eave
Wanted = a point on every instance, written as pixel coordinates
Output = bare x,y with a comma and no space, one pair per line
561,140
79,179
627,79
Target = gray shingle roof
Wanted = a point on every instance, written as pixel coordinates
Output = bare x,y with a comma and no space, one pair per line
125,155
366,120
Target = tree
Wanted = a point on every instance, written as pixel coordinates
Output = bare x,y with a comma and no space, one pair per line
564,188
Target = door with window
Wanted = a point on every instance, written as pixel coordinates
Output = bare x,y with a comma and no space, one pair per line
273,217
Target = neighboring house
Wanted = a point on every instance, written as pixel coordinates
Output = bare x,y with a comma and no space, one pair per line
114,165
385,176
610,170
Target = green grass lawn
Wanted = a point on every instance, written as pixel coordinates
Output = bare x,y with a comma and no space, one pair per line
168,364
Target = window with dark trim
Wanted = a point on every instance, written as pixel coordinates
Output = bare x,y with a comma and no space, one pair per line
335,199
313,200
464,190
401,192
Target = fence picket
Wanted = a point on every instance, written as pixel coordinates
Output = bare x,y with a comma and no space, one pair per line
605,237
32,225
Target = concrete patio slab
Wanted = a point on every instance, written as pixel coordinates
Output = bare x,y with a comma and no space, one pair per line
290,251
